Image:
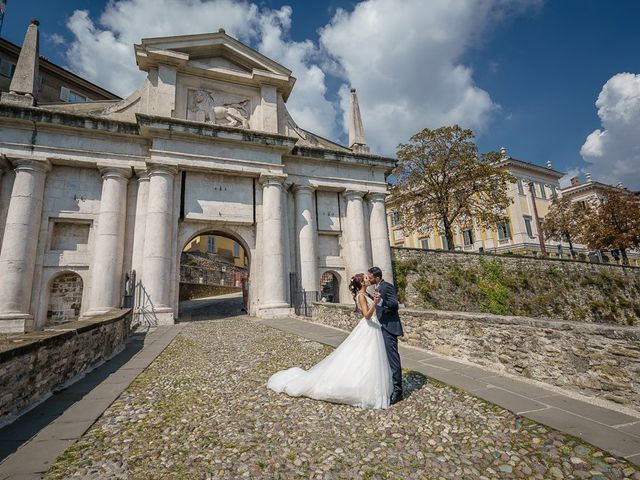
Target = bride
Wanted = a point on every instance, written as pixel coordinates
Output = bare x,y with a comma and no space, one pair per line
356,373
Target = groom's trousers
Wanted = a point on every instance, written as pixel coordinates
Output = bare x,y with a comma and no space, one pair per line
391,345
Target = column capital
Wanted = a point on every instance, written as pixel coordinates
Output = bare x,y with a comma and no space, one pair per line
377,196
118,173
303,188
276,179
161,169
142,175
29,164
4,164
353,194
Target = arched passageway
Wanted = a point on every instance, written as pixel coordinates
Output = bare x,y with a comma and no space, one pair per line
214,277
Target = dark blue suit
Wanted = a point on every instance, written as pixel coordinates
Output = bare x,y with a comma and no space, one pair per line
389,319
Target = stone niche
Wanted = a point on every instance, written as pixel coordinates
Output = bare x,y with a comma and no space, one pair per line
214,197
65,299
69,236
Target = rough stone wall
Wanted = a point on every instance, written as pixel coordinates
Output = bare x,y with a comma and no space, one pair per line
65,299
189,291
596,360
33,365
515,285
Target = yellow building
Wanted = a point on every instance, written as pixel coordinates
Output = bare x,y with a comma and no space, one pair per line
222,246
533,190
531,194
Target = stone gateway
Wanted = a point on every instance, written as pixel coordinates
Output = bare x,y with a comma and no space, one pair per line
91,192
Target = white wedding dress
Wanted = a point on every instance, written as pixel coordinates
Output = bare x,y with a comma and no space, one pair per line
356,373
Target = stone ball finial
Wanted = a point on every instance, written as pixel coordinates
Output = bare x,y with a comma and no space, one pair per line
221,30
35,21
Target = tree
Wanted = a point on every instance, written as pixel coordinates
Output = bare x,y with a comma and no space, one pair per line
613,223
564,222
442,181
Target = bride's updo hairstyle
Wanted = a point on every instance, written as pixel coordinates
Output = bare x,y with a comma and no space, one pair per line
356,284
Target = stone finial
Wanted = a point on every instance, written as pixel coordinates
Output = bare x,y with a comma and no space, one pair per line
549,165
620,185
357,142
588,177
503,152
24,84
221,30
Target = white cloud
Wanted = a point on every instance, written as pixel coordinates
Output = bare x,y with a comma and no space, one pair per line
613,152
404,59
102,50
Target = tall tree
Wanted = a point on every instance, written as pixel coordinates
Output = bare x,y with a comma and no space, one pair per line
564,222
441,181
614,223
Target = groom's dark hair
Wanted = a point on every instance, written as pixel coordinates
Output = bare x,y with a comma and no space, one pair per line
376,272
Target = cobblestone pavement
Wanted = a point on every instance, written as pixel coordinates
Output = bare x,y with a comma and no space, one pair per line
202,411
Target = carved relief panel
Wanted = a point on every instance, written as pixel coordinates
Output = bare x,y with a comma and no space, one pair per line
218,108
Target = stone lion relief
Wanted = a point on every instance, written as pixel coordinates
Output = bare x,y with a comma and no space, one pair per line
217,108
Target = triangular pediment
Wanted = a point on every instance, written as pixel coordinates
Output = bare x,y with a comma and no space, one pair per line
214,55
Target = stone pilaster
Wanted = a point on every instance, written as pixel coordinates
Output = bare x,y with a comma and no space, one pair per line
273,247
108,251
357,258
307,237
19,244
379,232
142,197
156,265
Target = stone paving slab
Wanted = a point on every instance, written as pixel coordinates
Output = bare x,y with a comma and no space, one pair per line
30,445
607,438
588,410
593,423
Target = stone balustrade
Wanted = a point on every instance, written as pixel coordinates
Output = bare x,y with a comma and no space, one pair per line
596,360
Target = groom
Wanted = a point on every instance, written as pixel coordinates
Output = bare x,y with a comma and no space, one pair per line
387,313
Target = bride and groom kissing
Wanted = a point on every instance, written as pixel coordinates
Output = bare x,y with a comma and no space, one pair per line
364,371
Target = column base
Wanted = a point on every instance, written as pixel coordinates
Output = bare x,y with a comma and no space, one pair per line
275,311
164,316
14,322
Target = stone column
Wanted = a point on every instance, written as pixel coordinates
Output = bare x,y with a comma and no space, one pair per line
108,248
273,248
19,244
142,197
380,249
156,265
307,237
356,235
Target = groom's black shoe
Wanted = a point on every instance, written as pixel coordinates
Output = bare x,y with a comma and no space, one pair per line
395,397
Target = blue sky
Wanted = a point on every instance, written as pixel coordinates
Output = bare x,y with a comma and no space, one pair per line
533,69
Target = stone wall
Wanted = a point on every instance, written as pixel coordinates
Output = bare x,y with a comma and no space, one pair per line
518,285
33,365
596,360
190,291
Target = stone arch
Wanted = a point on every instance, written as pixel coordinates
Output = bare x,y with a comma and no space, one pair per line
330,286
65,290
244,235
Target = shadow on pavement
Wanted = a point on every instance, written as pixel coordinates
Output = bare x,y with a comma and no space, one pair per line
211,308
25,427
